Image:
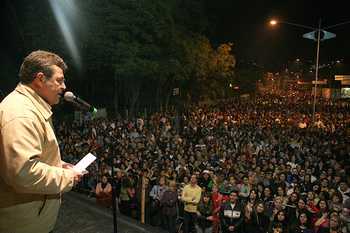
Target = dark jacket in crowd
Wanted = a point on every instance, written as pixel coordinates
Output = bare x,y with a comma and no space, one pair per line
231,217
205,211
259,223
299,229
168,203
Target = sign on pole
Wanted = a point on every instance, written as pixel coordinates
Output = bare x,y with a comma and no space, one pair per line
325,35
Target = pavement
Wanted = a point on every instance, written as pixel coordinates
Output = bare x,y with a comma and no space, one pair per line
80,214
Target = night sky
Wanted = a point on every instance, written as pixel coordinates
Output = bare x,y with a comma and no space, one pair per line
245,23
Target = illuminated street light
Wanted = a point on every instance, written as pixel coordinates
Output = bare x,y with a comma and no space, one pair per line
273,22
318,34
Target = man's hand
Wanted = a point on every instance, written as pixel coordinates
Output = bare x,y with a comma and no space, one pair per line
77,175
67,165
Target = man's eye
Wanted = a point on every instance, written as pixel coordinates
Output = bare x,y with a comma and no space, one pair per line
60,81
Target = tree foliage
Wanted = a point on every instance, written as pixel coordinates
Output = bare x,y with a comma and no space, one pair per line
137,51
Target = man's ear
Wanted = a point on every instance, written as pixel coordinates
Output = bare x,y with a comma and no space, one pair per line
39,80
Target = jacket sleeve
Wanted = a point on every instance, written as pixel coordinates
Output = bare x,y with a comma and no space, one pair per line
198,195
241,218
167,200
20,165
186,197
153,193
223,222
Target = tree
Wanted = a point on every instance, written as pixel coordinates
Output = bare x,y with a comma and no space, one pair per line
207,70
134,52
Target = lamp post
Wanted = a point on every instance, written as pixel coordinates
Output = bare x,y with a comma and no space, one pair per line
316,71
318,34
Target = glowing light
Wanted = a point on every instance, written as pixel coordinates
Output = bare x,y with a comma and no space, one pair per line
64,11
273,22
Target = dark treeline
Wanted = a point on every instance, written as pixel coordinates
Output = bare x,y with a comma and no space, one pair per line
131,54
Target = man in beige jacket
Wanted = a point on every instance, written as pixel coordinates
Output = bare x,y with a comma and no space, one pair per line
32,174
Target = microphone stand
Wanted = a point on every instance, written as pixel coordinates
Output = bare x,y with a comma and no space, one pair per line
114,203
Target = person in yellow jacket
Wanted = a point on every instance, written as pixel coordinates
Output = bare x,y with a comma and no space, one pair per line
191,195
32,174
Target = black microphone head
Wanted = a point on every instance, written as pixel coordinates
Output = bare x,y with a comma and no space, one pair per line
69,96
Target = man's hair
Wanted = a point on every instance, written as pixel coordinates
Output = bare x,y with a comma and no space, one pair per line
39,61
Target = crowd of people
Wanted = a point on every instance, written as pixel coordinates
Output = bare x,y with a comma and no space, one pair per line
248,166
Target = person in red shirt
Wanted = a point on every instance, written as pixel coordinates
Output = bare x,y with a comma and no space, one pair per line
217,199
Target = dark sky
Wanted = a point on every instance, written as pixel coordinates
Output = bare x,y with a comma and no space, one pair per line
245,23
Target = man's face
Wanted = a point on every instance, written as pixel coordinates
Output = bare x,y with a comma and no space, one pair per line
53,87
337,179
294,197
324,183
282,177
343,186
162,181
268,175
193,179
233,197
245,180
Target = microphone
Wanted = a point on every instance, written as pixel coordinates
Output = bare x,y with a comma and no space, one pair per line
83,105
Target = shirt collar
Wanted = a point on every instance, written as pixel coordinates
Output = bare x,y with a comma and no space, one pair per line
41,105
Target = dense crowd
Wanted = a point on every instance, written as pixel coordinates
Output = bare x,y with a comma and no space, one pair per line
260,165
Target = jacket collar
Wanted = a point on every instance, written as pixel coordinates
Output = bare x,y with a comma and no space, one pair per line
41,105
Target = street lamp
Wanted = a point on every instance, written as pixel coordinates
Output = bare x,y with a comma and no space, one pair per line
318,34
273,22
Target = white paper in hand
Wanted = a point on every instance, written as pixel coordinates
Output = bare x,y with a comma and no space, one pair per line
84,162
